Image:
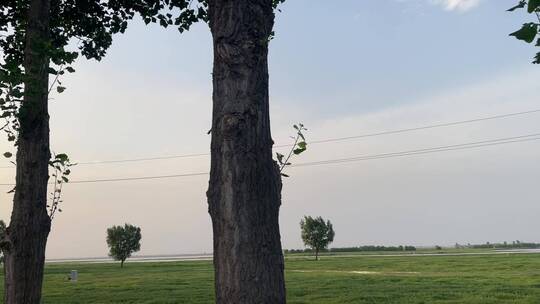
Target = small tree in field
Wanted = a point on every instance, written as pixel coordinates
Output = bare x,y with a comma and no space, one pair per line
123,241
316,233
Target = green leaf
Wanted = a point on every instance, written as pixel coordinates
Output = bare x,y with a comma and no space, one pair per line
537,59
527,32
65,179
298,151
302,145
280,157
284,175
8,154
62,157
521,4
60,89
70,69
533,5
52,71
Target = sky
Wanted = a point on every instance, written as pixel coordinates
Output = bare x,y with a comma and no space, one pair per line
343,69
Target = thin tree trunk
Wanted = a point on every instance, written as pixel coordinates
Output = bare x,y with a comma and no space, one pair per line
30,223
316,254
244,193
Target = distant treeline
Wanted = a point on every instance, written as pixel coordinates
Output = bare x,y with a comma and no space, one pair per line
356,249
504,245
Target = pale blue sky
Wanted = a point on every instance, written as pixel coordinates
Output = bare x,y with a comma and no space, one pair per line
383,53
343,68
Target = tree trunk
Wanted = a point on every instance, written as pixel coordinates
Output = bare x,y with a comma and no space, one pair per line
316,254
244,193
30,223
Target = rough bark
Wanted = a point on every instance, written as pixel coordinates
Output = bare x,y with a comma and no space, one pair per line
244,193
30,223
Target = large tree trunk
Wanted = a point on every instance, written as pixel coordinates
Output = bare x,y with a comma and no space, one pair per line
30,223
244,194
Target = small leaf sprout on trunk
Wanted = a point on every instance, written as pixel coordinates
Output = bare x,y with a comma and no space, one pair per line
60,165
299,147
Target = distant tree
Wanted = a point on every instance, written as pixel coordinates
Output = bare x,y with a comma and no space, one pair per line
437,247
316,233
123,241
531,30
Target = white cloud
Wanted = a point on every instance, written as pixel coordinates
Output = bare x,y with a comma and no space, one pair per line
458,5
449,5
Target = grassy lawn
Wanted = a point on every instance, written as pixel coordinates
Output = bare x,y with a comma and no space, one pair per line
362,279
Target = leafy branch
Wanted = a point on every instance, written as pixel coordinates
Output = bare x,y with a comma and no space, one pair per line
11,94
61,170
56,81
299,147
530,30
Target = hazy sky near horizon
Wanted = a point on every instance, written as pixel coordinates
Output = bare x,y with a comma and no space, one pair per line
346,69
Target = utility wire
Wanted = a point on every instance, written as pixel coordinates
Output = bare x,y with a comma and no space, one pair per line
142,159
464,146
439,125
487,143
328,140
137,178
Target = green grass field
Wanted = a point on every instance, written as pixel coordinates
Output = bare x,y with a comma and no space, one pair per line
361,279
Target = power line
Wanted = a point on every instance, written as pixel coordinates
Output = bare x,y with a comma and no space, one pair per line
113,161
137,178
463,146
89,181
328,140
439,125
142,159
479,144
